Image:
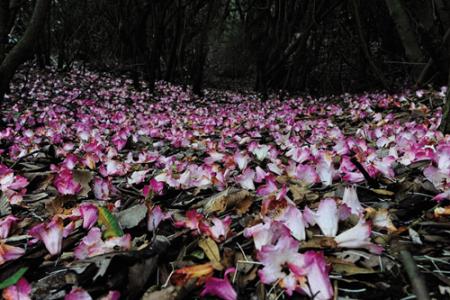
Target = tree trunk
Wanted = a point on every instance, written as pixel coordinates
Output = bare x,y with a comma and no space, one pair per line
445,122
405,31
22,50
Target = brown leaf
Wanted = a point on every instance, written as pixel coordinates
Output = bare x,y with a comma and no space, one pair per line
241,199
211,250
84,178
200,272
347,268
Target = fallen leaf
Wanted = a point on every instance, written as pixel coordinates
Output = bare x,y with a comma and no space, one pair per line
131,217
111,226
227,199
181,276
211,250
84,178
347,268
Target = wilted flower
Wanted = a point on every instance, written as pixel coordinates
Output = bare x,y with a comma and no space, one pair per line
51,234
219,287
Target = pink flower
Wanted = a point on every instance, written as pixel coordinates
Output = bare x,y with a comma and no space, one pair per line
78,293
65,183
241,160
154,186
266,233
220,229
155,216
5,225
8,253
292,218
358,237
89,213
350,199
246,179
192,220
219,287
327,217
299,155
261,152
51,234
137,177
112,295
70,162
92,244
276,257
314,267
307,174
102,188
268,188
20,291
260,174
10,182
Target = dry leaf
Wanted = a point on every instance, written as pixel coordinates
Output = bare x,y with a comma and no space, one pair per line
211,250
201,272
347,268
84,178
383,192
227,199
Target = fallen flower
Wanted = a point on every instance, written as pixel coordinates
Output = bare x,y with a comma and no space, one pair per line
313,266
350,199
51,234
78,293
192,220
358,237
219,287
219,231
246,179
5,225
155,216
89,214
327,217
8,253
20,291
266,233
276,257
154,186
65,183
92,244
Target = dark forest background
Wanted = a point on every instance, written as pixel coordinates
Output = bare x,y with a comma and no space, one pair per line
314,46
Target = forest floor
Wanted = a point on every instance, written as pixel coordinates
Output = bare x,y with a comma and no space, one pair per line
108,192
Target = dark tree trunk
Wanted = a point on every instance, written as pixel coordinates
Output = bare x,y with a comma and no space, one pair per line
24,48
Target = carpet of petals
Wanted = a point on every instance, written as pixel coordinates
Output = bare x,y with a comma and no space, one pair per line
107,192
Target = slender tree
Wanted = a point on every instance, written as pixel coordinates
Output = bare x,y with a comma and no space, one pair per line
24,48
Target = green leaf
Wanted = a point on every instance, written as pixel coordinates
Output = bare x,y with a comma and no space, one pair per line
13,279
109,222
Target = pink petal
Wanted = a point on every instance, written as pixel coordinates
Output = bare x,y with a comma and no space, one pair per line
101,188
327,217
246,179
8,253
350,199
5,225
78,294
20,291
155,217
275,257
51,234
221,288
65,183
358,237
89,213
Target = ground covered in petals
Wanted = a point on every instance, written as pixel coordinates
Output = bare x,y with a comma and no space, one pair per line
112,193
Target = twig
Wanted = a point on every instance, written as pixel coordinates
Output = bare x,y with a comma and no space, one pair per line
415,277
